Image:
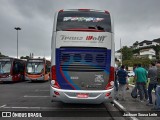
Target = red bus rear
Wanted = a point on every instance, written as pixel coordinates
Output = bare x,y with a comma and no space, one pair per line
11,69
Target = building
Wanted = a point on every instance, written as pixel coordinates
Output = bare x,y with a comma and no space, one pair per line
146,43
147,53
118,56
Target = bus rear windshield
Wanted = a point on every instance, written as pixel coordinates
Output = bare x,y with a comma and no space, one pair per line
35,67
5,67
83,20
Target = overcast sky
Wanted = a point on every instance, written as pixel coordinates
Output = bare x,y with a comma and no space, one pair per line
134,20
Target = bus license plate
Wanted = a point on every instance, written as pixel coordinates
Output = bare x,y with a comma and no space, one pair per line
82,95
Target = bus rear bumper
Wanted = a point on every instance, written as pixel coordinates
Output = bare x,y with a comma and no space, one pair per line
34,79
9,79
70,96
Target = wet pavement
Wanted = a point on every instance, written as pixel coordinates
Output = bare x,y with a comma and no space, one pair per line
136,109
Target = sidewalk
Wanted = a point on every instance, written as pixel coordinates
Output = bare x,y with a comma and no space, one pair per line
135,106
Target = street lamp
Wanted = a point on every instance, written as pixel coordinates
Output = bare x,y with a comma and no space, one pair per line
17,28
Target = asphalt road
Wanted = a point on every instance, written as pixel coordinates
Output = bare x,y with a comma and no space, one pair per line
34,97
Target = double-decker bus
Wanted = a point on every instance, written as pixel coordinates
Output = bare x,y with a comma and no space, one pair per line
37,69
82,58
11,69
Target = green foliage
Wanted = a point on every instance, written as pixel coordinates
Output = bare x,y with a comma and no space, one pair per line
145,62
1,55
157,40
128,60
22,57
135,44
127,53
136,51
157,49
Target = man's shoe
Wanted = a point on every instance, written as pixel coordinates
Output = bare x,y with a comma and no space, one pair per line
146,99
141,100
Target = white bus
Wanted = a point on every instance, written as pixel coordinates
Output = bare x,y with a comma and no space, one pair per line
82,58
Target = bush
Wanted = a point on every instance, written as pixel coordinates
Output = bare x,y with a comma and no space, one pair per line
145,62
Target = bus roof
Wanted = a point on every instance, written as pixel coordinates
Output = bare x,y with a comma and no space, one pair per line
37,59
94,10
9,58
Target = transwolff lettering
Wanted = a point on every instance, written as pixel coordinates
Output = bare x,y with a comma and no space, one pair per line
99,38
65,37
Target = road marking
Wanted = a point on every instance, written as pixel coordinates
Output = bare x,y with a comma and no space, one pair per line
134,118
35,96
37,90
2,106
124,109
120,105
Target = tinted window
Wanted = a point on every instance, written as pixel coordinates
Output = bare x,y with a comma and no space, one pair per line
83,20
35,67
5,67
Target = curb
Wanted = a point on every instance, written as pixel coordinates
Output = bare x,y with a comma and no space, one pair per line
121,108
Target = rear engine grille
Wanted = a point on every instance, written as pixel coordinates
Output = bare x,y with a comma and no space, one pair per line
83,58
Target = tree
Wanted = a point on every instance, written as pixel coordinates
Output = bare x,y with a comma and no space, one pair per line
145,62
127,53
135,44
157,49
1,55
22,57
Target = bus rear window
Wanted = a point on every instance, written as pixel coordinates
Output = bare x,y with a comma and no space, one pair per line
5,67
83,20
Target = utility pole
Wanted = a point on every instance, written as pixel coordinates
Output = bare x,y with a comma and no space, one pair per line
17,28
121,51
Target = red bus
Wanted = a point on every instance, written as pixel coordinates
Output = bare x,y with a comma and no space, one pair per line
11,69
37,69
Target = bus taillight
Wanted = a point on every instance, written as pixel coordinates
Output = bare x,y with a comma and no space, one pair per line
54,84
56,93
106,12
84,9
53,72
111,79
108,94
54,79
61,10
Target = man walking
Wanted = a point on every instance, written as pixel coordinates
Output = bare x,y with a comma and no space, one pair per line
141,79
152,74
157,92
122,77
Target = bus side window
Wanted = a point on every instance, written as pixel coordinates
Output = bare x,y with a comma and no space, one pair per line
15,68
21,67
18,68
47,69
